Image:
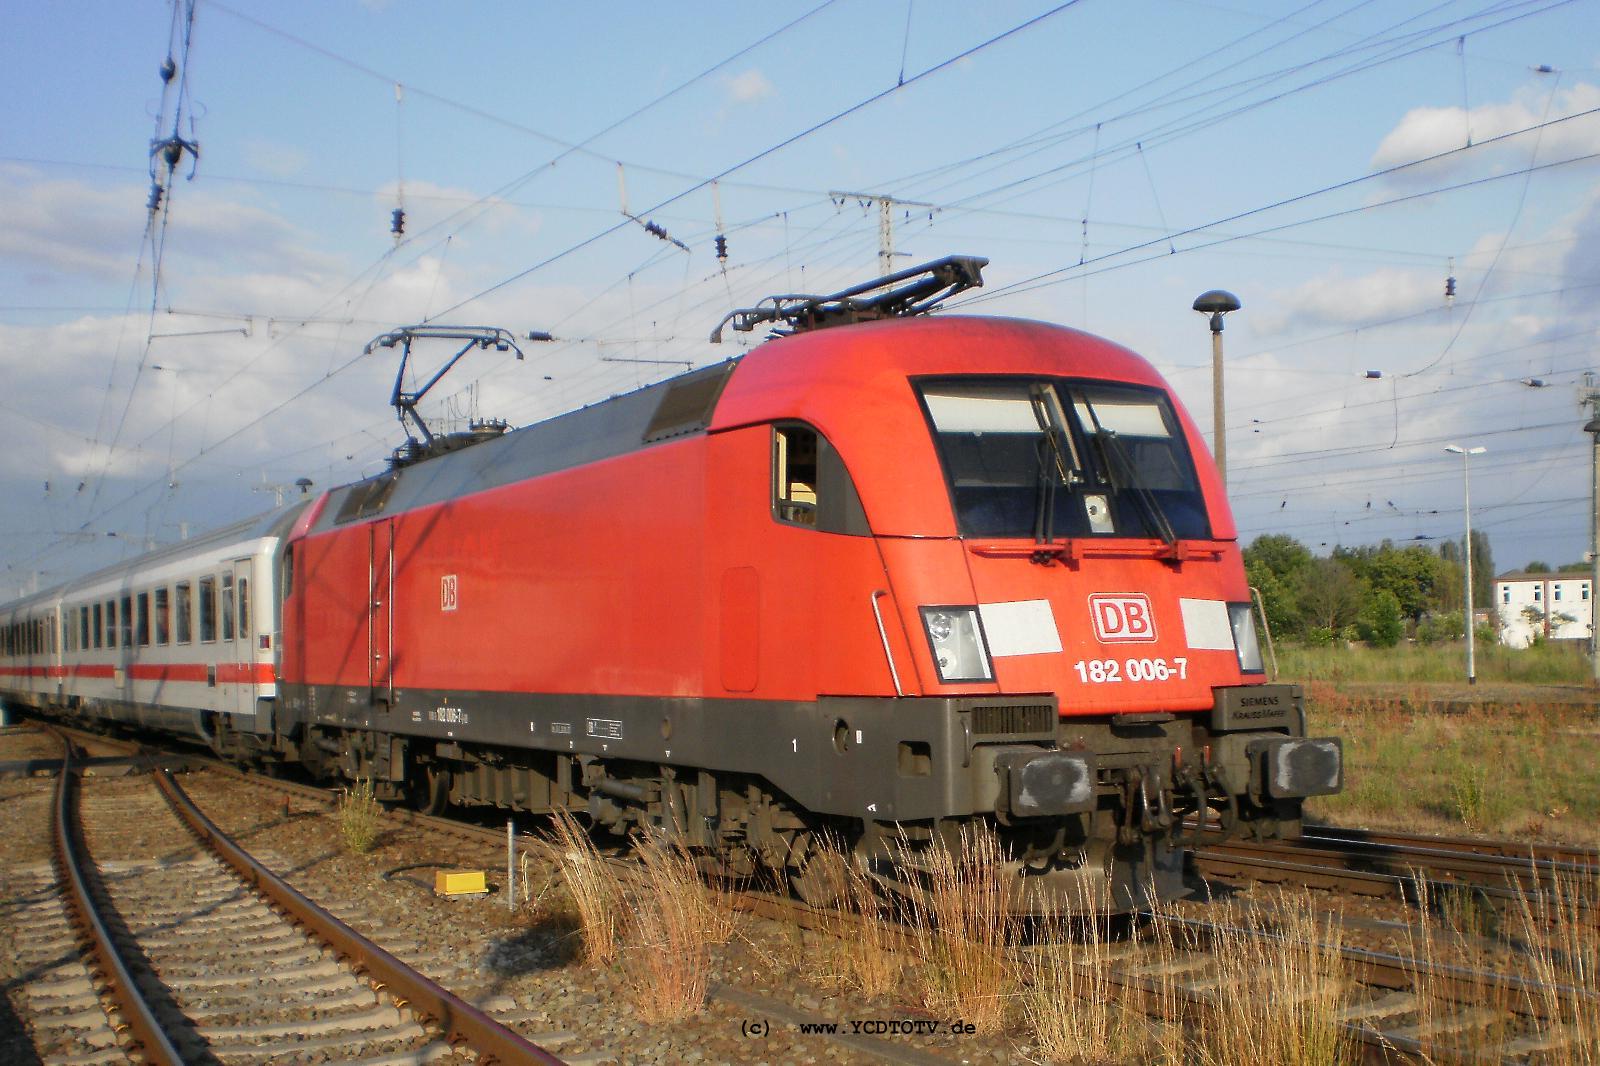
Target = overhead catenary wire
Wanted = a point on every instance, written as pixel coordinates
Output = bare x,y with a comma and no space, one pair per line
681,294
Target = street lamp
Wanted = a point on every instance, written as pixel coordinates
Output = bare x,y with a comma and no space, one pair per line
1593,428
1216,303
1466,489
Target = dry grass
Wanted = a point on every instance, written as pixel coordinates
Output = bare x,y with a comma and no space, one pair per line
595,891
961,927
667,946
1279,990
1565,953
1069,997
861,941
360,816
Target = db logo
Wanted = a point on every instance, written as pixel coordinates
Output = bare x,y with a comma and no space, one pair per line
1122,617
449,593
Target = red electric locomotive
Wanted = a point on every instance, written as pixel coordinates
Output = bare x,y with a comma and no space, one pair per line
876,581
879,580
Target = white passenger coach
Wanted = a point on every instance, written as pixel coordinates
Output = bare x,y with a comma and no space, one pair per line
184,638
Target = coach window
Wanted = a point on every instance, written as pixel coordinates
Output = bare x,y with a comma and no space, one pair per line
183,607
98,632
111,623
810,485
125,621
244,608
163,615
208,610
142,620
84,640
227,606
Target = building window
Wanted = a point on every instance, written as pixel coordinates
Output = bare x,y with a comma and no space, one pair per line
1538,593
1557,594
1505,593
1584,592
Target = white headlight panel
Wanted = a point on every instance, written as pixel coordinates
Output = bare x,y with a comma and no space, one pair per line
1244,638
956,640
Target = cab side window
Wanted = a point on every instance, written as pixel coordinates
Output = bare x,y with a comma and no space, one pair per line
810,485
794,458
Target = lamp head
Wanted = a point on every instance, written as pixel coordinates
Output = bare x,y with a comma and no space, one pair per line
1216,303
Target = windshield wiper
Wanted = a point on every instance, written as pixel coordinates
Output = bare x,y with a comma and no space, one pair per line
1056,465
1120,466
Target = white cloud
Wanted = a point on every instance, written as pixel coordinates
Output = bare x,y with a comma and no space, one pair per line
748,87
55,227
1336,300
1428,131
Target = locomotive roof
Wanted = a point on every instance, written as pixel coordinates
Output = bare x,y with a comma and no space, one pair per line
788,377
273,523
676,407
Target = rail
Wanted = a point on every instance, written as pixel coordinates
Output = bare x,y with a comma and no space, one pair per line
145,1032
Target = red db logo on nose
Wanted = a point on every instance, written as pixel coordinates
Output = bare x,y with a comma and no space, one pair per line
1122,617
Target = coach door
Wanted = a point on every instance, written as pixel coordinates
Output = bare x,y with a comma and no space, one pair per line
243,653
380,613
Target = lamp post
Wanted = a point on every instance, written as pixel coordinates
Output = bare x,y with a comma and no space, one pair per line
1593,428
1216,303
1466,499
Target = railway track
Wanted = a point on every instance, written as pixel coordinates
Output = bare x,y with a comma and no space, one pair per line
1395,1008
1399,1009
1402,866
203,955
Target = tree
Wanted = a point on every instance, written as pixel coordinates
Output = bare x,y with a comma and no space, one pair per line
1536,567
1381,622
1280,553
1414,575
1482,568
1330,595
1275,563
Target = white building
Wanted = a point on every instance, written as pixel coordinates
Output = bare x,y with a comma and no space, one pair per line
1554,606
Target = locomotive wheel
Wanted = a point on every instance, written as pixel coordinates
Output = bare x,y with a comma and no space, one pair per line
817,870
429,789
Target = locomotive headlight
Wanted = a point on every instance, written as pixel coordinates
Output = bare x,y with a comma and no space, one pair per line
956,638
1244,638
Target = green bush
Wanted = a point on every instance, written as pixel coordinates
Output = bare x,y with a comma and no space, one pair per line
1319,637
1381,623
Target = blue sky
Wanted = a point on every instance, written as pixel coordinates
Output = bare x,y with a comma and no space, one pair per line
1113,160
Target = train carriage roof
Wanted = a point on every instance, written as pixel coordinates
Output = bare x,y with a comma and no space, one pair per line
274,523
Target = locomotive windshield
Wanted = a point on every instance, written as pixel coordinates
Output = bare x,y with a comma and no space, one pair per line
1049,458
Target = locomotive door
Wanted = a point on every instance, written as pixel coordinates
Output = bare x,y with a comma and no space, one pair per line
380,613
